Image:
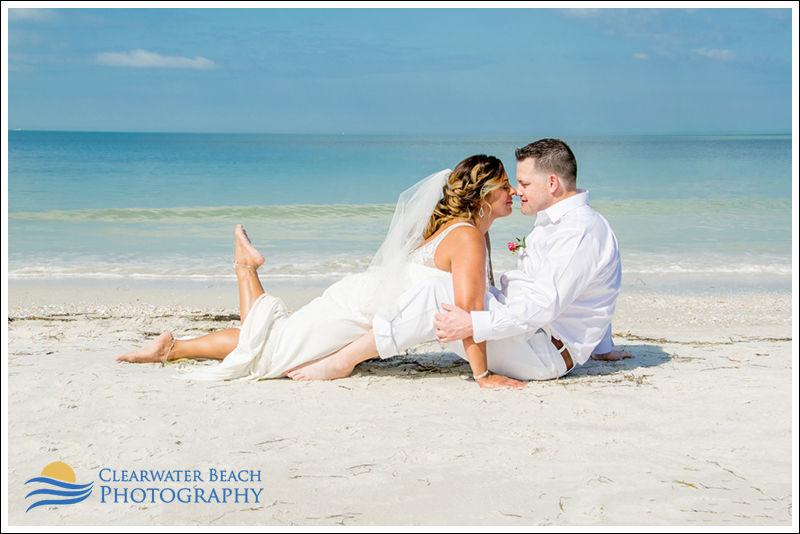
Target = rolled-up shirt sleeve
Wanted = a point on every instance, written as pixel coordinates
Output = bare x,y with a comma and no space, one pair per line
481,326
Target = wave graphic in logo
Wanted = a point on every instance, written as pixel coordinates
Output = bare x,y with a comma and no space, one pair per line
59,480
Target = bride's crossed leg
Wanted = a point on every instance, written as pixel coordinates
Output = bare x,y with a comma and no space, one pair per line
216,345
340,364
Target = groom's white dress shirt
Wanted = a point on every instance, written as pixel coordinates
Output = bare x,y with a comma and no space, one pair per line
567,282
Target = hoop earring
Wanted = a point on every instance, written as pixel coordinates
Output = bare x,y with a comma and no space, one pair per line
480,213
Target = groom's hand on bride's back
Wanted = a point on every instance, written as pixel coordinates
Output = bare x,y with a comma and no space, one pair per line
454,325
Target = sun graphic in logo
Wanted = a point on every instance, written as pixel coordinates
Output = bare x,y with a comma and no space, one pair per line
59,471
59,480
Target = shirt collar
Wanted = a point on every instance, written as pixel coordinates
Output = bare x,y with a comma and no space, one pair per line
559,209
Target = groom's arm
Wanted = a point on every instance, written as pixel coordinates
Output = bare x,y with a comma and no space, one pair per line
535,302
537,299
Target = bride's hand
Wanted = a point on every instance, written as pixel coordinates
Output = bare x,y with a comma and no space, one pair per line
499,381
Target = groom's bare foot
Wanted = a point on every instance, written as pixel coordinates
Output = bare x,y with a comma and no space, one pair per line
156,351
613,356
245,253
327,368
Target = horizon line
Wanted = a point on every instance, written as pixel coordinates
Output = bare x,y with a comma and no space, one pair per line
664,134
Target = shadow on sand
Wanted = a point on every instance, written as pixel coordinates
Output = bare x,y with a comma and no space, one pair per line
433,359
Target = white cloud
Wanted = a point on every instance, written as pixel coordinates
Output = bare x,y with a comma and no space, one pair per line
582,13
142,59
641,55
715,53
19,13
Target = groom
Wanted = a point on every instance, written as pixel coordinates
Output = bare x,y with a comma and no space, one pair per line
568,276
550,315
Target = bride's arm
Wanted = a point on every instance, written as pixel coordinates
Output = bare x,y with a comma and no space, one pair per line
468,267
467,255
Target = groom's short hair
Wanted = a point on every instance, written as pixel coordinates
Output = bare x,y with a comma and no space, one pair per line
552,156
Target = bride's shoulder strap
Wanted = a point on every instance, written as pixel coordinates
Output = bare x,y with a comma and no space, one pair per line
468,246
446,231
442,236
457,225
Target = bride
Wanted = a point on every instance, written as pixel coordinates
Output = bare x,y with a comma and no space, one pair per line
439,228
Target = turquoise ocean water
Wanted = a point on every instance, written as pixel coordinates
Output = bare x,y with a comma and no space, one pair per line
164,206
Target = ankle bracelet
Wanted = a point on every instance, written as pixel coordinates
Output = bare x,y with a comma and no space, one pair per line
252,269
170,350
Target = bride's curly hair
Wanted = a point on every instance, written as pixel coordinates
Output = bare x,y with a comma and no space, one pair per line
466,190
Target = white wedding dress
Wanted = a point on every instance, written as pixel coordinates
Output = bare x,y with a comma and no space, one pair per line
271,342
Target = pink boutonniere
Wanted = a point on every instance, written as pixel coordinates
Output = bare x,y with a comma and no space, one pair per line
514,247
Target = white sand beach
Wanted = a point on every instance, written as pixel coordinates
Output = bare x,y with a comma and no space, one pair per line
695,430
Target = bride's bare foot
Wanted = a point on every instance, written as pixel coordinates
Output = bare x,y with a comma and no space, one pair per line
156,351
245,253
327,368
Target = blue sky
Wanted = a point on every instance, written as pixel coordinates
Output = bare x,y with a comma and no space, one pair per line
402,71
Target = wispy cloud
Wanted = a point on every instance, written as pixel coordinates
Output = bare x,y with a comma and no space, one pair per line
18,13
714,53
142,59
780,14
581,12
671,33
18,36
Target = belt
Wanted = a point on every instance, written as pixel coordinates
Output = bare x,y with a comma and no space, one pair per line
564,352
